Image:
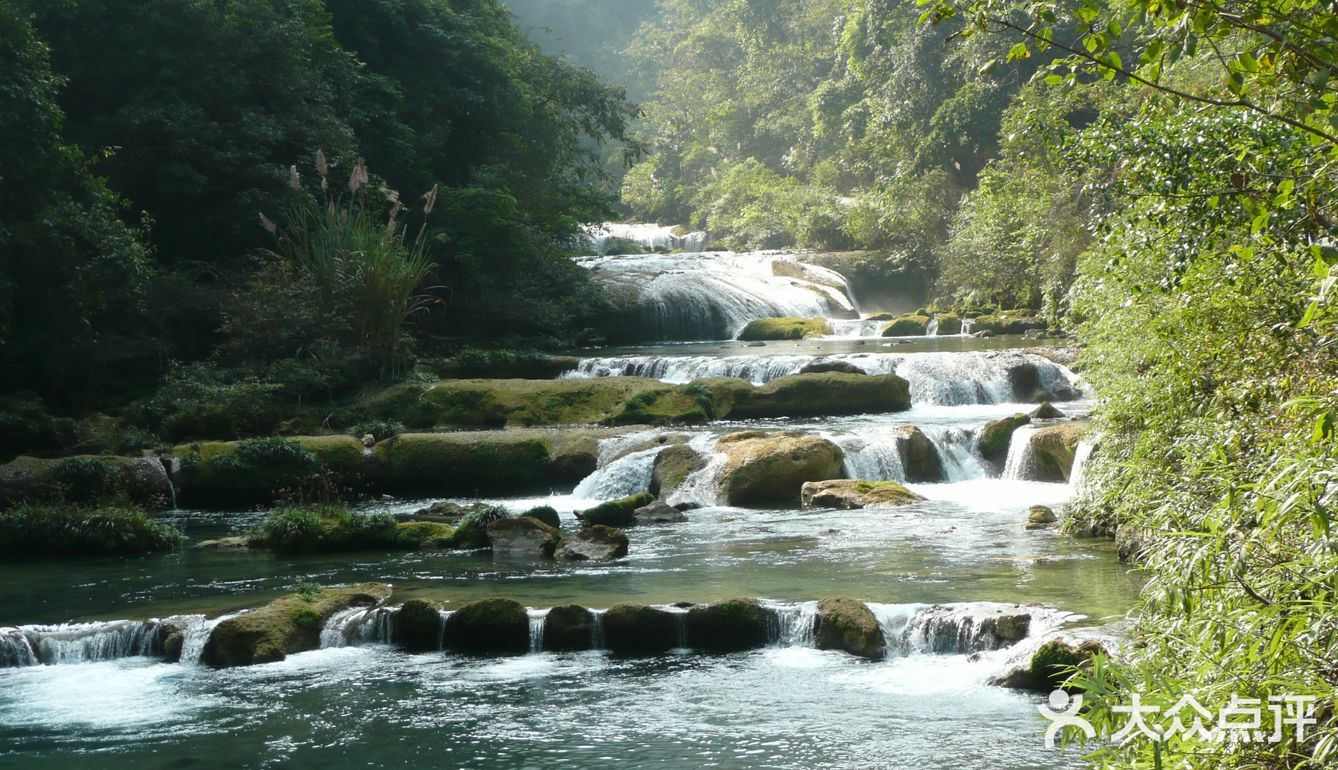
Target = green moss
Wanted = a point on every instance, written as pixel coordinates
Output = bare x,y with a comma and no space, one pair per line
44,530
949,323
785,329
996,436
1010,322
819,394
847,624
427,534
616,513
441,464
639,630
1054,662
328,529
907,326
489,627
545,513
222,474
289,624
886,493
728,626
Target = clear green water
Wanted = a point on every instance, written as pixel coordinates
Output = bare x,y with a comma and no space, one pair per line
774,708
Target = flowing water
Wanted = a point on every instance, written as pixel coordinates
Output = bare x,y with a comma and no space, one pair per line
82,686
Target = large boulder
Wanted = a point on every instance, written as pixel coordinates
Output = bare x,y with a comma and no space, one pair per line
472,531
594,543
773,467
569,627
849,625
489,627
672,467
222,474
443,464
729,626
829,365
616,513
994,438
785,329
547,514
633,629
285,626
92,479
1048,667
525,538
419,626
1053,450
919,456
846,494
1047,411
816,395
907,326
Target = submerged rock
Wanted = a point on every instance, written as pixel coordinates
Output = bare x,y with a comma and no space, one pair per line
658,513
728,626
569,627
238,543
846,494
489,627
285,626
523,538
1040,517
828,365
849,625
594,543
773,467
419,626
633,629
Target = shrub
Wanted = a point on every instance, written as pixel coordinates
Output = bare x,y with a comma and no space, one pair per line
327,529
34,530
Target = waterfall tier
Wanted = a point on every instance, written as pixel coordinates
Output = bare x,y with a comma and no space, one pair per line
713,296
609,236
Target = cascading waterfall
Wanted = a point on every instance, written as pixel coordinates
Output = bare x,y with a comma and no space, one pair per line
1080,459
931,329
796,624
88,642
893,619
648,236
357,626
957,630
538,618
625,476
945,379
957,449
1018,464
597,630
713,296
872,454
856,329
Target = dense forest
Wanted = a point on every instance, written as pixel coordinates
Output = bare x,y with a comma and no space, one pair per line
182,183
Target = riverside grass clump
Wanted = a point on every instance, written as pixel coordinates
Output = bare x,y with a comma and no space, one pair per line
360,263
333,528
43,530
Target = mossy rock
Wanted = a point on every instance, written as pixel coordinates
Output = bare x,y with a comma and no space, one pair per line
574,455
616,513
949,323
847,494
680,406
427,534
289,624
513,403
773,468
594,543
489,627
1040,517
919,456
418,626
1053,663
522,538
672,467
569,627
992,444
1009,322
729,626
913,325
849,625
632,629
86,479
472,531
545,513
223,474
1047,411
785,329
1053,451
444,464
817,395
